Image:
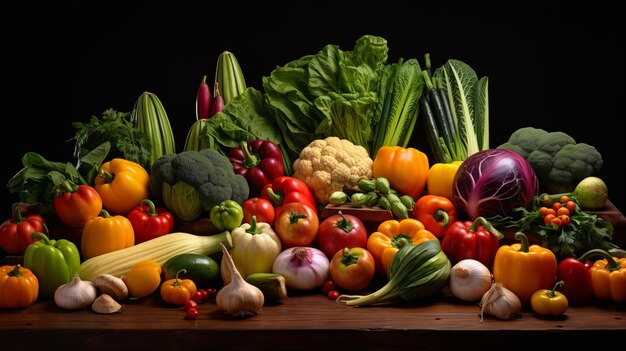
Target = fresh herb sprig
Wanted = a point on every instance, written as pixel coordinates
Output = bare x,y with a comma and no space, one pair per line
115,127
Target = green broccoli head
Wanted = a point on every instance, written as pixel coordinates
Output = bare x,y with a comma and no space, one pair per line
558,161
194,181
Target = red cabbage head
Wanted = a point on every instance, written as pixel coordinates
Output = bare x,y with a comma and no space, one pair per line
494,182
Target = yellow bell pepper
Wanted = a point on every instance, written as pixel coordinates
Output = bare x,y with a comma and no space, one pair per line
549,302
524,269
440,180
393,235
258,241
105,234
406,169
122,185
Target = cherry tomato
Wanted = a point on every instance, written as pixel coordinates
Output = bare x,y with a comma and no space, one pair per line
547,219
190,304
261,208
329,286
571,206
564,199
192,313
296,224
352,269
333,295
562,211
564,220
339,231
198,296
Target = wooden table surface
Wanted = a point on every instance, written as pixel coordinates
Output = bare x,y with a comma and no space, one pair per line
307,321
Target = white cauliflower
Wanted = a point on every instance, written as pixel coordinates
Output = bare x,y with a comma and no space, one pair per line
332,164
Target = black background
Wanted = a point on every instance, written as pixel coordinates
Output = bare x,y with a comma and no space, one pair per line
550,66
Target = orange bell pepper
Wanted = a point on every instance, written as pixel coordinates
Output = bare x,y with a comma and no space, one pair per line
440,180
176,291
19,287
524,269
406,169
393,235
608,276
122,185
106,234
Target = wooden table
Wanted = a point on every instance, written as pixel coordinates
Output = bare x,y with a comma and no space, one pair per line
308,322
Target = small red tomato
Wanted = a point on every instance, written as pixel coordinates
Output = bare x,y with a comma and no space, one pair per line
333,295
296,224
261,208
192,313
191,304
339,231
197,297
352,269
329,286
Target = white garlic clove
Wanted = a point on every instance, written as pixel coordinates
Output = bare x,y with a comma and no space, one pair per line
105,304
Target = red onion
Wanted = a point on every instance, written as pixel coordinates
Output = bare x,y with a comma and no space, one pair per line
304,268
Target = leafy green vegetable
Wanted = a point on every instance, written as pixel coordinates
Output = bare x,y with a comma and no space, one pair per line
38,182
115,127
469,105
401,96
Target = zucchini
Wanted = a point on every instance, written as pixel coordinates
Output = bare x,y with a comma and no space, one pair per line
201,269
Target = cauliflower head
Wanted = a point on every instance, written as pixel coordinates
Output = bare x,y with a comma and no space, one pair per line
331,164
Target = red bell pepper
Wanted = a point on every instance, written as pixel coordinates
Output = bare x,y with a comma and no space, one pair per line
477,240
577,281
259,161
77,205
149,221
436,213
285,189
15,232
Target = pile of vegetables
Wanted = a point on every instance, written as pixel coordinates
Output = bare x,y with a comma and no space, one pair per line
332,129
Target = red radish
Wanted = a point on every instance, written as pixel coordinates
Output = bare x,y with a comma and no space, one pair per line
218,101
203,100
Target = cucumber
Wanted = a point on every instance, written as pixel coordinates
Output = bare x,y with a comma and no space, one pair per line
202,269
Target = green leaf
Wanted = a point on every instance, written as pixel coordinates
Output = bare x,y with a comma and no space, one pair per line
481,113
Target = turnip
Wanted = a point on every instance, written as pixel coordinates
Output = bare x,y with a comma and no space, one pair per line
591,193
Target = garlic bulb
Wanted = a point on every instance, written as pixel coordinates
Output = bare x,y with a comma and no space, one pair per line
500,302
469,280
75,294
238,297
105,304
111,285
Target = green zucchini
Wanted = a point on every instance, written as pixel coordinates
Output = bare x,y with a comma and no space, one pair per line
202,269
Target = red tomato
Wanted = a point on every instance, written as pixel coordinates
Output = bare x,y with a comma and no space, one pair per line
352,269
261,208
296,224
339,231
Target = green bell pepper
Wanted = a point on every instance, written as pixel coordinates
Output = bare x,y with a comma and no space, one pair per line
228,215
53,262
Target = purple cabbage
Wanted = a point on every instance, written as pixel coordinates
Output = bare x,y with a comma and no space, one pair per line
493,182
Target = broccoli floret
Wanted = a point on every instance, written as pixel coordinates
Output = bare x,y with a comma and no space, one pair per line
210,175
558,161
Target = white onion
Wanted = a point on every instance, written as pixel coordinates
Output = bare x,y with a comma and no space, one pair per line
304,268
469,280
